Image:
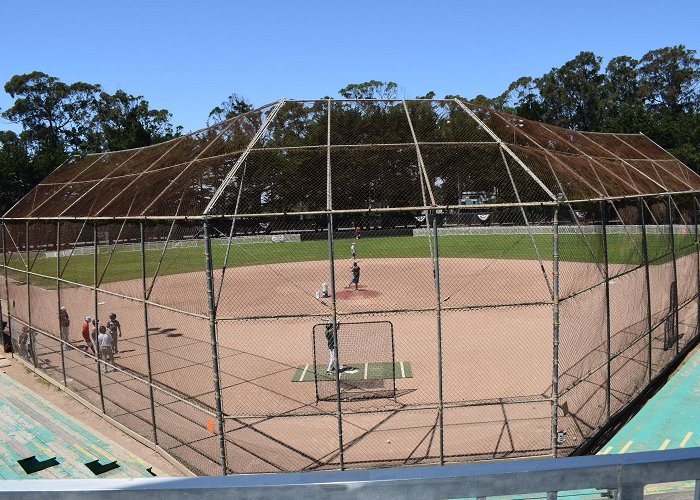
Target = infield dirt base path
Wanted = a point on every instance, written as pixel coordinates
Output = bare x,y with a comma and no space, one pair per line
496,334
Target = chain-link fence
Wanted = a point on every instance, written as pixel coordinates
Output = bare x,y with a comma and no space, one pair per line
468,358
345,284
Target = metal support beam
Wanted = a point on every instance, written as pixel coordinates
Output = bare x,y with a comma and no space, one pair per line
341,451
97,321
58,296
645,257
676,332
604,222
7,281
555,330
438,317
214,349
331,270
696,207
32,332
145,329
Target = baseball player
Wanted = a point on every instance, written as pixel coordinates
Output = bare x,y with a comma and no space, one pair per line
353,250
332,351
355,275
114,328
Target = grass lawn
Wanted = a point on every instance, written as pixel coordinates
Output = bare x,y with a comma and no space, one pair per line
126,265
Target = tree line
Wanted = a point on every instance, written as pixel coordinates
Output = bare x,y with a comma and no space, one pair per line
659,95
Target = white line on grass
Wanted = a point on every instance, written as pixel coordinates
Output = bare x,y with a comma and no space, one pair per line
403,373
366,364
301,379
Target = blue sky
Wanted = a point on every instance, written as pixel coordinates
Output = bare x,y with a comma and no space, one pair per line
188,56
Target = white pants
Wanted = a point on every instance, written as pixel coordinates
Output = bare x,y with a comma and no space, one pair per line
107,356
331,363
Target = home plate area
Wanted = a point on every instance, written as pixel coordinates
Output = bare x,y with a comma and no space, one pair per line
354,371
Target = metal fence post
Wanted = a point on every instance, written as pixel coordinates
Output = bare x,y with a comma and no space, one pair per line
97,321
2,329
7,282
341,454
604,220
58,295
555,329
334,309
214,349
438,314
645,257
697,260
145,329
32,334
676,332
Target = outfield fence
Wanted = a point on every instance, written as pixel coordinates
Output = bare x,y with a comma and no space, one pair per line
527,341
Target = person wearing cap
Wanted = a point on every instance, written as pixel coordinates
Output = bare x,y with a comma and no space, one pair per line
114,328
330,339
86,335
64,323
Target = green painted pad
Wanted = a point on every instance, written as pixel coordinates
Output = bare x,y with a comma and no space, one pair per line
355,371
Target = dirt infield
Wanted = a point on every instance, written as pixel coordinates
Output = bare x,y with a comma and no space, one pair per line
496,359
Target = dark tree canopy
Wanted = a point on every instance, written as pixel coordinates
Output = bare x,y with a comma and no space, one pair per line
657,94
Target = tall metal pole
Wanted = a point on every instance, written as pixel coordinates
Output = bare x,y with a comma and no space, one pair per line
438,314
58,295
604,220
97,322
697,259
214,349
4,268
645,257
7,282
145,329
2,328
674,290
555,328
32,335
331,261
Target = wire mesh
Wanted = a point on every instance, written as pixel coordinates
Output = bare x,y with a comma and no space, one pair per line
440,219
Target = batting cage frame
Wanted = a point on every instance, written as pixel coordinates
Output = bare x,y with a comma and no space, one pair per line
363,368
504,257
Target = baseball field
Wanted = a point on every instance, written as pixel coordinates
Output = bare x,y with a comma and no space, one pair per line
496,328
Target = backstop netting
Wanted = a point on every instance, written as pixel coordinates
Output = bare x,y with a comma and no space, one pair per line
520,284
367,365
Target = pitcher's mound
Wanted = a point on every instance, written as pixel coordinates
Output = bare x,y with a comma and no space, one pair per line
352,294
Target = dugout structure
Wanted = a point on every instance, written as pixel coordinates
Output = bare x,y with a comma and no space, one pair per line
366,359
538,280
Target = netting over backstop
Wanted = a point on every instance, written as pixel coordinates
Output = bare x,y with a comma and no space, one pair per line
503,287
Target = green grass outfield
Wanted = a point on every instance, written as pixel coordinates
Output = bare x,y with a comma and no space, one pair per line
126,265
355,371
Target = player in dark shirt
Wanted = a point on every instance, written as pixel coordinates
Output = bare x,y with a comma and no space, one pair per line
331,344
355,275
